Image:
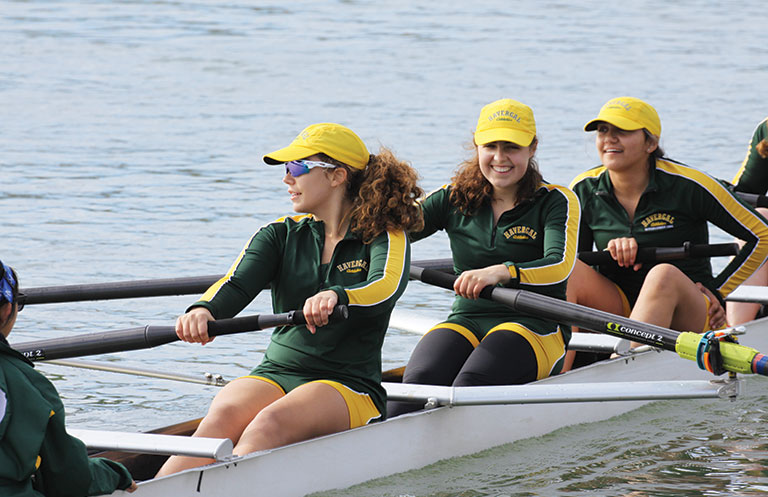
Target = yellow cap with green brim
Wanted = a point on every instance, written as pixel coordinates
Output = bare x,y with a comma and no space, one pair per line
628,113
505,120
333,140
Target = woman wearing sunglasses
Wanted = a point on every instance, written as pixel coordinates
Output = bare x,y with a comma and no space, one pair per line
506,227
37,455
639,198
349,246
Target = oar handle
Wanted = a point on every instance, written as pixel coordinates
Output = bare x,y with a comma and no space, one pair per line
149,288
665,254
441,279
754,199
151,336
259,322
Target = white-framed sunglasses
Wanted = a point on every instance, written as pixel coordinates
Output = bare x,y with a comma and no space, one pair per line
298,167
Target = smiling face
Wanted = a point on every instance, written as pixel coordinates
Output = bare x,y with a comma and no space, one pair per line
620,149
504,164
312,192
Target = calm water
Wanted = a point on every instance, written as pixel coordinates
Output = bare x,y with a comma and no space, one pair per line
131,134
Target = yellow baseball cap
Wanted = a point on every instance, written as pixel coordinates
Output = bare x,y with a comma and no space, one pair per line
505,120
628,113
333,140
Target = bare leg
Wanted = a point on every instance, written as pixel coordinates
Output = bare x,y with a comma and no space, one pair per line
311,410
670,299
741,312
590,288
233,408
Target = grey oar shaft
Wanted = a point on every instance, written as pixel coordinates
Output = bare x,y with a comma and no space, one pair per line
204,379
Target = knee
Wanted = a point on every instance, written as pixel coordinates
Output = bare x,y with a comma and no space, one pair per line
663,278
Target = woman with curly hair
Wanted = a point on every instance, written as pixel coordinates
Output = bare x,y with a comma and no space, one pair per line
752,178
350,246
506,227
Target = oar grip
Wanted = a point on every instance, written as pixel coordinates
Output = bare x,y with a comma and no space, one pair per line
432,277
340,313
663,254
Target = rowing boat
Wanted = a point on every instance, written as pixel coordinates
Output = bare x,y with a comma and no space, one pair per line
418,439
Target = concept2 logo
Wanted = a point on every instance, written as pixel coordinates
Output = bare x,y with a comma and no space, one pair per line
617,329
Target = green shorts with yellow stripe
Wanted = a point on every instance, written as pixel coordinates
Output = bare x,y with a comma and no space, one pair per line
544,336
362,409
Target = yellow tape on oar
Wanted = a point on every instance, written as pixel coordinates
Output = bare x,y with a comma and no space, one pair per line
736,358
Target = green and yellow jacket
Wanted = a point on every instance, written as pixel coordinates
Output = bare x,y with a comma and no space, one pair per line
675,208
536,240
37,456
369,278
753,174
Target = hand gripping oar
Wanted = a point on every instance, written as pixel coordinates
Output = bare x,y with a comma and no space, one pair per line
664,254
151,336
735,358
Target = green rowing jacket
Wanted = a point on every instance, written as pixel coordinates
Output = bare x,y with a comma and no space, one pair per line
536,240
753,174
33,440
369,278
675,208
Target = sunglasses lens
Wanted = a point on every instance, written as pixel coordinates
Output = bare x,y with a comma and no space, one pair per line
296,168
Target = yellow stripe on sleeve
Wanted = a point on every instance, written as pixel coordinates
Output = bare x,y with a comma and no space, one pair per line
741,214
381,289
560,271
592,173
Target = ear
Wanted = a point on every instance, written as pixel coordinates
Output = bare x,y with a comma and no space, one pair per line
532,148
652,142
339,176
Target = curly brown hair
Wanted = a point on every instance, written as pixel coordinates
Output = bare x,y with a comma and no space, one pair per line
762,148
470,190
384,195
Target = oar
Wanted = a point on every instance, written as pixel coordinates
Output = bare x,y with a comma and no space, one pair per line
198,284
149,288
736,358
664,254
151,336
754,199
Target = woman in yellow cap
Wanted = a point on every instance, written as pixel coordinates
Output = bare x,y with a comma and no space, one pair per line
638,198
349,247
506,227
752,177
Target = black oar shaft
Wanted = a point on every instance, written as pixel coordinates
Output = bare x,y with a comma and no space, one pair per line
152,336
149,288
560,310
119,290
664,254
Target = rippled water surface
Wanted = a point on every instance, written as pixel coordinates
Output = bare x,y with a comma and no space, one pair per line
131,136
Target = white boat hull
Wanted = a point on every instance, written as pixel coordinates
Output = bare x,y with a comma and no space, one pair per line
419,439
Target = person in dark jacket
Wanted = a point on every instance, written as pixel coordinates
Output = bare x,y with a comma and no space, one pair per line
37,456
